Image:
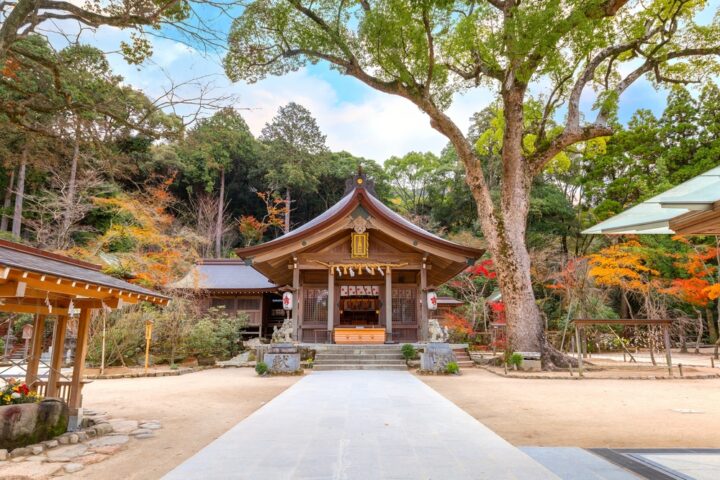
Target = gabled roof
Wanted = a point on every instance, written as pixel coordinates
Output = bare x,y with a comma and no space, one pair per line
18,257
359,193
677,210
224,274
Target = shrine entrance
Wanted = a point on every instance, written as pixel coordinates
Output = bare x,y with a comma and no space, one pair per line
359,305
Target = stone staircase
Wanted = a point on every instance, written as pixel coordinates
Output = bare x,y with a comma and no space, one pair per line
359,357
463,358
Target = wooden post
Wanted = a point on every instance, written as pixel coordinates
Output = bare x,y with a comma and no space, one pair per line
296,299
423,301
579,350
668,356
31,377
81,347
388,303
331,304
58,345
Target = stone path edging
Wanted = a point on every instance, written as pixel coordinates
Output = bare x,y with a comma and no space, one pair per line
512,374
164,373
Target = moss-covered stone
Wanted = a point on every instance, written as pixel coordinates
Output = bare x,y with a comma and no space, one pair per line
31,423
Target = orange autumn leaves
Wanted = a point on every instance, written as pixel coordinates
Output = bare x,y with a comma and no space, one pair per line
626,266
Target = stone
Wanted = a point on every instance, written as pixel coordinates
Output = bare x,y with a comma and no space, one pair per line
92,458
82,436
30,470
50,443
108,441
3,454
123,426
109,449
282,358
73,467
39,421
143,436
67,452
140,431
63,439
20,452
36,449
436,357
104,428
151,426
37,458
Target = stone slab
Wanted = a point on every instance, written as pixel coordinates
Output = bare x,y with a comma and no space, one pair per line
436,357
360,425
700,466
573,463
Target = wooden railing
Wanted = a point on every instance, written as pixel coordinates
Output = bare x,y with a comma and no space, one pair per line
63,392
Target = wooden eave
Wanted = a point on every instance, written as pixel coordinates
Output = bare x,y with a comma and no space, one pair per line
706,222
295,242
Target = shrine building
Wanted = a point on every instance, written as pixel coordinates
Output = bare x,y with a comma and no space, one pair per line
358,273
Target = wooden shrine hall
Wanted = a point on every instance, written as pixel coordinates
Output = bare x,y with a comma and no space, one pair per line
64,291
359,272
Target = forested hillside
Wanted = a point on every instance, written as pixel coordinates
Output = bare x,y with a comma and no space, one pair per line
97,170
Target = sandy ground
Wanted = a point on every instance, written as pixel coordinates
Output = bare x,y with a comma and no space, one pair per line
589,413
194,410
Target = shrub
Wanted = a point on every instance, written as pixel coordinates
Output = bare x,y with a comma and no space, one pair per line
261,368
408,351
452,368
459,328
515,360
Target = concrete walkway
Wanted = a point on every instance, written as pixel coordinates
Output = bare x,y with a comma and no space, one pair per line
360,425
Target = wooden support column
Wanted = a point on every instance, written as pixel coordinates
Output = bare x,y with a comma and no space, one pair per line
296,298
81,347
666,340
579,349
388,303
31,377
423,301
58,347
331,303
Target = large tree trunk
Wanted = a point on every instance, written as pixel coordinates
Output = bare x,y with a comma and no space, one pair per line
287,210
20,194
8,200
72,188
220,215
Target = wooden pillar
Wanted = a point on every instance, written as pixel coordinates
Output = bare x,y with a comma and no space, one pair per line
31,377
296,299
388,303
423,301
579,349
331,303
666,340
58,346
81,347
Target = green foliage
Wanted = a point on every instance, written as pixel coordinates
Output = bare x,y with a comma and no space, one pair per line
515,360
215,334
452,368
408,351
261,368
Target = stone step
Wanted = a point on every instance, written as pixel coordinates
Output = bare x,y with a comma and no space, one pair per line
363,347
358,367
359,356
341,361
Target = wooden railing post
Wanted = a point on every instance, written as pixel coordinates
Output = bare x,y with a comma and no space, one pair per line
31,376
58,346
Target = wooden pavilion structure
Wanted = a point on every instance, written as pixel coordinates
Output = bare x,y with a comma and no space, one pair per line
62,290
359,272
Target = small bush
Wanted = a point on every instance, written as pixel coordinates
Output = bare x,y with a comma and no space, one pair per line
515,360
452,368
261,368
408,351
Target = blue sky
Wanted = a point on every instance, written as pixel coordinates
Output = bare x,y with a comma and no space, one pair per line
353,116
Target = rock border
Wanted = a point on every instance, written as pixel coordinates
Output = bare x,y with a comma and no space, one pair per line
575,376
168,373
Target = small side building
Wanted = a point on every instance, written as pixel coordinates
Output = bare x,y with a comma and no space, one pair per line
238,288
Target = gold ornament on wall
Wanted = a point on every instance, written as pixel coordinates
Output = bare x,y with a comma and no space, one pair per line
360,245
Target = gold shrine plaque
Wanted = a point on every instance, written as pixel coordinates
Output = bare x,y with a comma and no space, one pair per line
360,245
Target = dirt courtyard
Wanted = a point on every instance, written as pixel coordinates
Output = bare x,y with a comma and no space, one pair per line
194,410
591,412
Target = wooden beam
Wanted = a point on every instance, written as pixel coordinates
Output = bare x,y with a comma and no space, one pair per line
13,289
36,309
31,377
58,347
